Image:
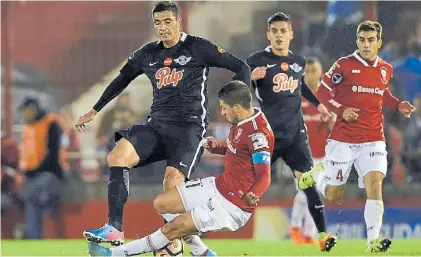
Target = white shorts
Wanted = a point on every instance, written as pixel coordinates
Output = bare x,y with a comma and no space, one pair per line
209,209
366,157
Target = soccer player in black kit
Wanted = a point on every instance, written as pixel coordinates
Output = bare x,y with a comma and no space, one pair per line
277,79
177,66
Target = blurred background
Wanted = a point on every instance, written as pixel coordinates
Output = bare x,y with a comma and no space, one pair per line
64,54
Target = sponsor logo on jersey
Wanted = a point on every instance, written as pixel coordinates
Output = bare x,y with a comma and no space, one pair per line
259,140
284,66
368,90
336,78
383,73
182,60
166,76
295,67
167,62
284,83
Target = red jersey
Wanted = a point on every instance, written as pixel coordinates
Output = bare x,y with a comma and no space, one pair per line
248,151
353,82
317,130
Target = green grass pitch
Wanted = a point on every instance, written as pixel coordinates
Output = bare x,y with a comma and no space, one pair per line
222,247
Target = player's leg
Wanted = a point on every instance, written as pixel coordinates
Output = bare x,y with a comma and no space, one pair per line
298,157
190,199
371,164
183,146
182,225
298,211
134,145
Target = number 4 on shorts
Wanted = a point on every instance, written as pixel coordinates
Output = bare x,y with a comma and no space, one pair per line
340,176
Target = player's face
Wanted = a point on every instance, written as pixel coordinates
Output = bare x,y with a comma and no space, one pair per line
368,44
280,35
313,72
167,26
229,112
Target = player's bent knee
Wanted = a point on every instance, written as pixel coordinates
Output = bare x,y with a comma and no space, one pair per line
334,193
172,177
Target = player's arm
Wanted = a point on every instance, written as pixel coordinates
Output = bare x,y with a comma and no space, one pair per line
308,94
213,146
130,71
258,144
329,81
215,56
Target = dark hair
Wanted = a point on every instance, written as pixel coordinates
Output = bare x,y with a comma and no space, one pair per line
312,60
370,26
279,16
165,6
235,92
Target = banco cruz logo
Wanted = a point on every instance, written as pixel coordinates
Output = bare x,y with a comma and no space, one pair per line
284,83
166,76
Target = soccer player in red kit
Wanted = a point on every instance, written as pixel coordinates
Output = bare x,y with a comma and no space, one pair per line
356,88
225,202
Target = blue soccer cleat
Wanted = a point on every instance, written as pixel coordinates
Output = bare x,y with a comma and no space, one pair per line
98,250
105,234
208,252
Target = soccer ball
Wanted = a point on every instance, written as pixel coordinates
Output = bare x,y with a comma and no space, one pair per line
174,248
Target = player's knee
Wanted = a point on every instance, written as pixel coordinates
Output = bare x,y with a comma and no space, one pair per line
172,178
122,159
334,193
373,183
159,204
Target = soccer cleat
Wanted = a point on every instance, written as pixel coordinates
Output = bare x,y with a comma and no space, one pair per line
296,237
378,245
326,242
98,250
208,252
307,180
105,234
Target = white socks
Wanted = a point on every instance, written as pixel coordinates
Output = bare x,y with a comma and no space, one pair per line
196,244
150,243
299,208
321,182
373,216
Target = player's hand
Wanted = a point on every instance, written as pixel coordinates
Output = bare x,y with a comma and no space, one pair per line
324,113
250,198
209,142
258,73
350,114
406,108
80,124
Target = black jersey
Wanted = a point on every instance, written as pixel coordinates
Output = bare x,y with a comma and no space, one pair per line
179,76
280,91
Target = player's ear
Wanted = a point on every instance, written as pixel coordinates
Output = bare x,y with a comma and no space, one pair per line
291,35
380,43
179,21
268,34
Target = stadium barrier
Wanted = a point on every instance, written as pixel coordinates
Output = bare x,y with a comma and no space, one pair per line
402,219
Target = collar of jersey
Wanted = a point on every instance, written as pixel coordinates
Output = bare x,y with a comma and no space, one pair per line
357,56
182,38
252,117
269,50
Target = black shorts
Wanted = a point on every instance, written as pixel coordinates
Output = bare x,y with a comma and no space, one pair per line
295,152
155,141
